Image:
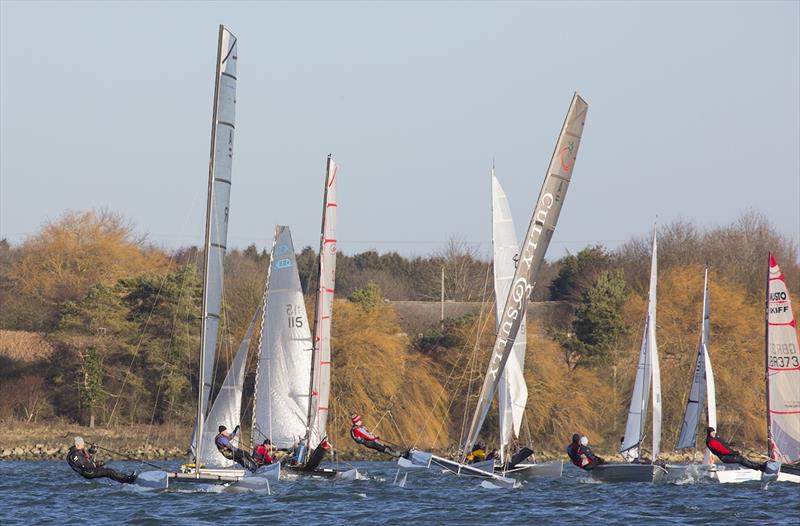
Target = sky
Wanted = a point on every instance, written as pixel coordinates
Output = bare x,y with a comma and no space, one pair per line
694,114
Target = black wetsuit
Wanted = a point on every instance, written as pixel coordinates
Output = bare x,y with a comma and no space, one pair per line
231,452
361,436
83,462
729,456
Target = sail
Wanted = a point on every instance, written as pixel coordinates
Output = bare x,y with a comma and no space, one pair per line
219,187
700,385
653,347
711,401
227,407
540,231
512,392
284,359
321,379
637,413
783,370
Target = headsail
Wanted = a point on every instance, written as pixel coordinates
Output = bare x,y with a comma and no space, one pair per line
782,370
647,373
227,407
284,360
702,385
321,378
219,187
540,230
512,392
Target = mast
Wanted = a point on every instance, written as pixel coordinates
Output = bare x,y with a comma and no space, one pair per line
770,443
321,361
540,231
219,182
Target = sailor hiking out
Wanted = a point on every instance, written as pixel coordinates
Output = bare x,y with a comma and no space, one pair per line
727,455
581,454
360,434
231,452
82,461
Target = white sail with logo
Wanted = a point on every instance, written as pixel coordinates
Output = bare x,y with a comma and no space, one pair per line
647,375
783,370
512,392
284,362
702,390
322,361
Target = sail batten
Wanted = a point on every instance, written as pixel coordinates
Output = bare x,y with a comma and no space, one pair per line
217,210
540,230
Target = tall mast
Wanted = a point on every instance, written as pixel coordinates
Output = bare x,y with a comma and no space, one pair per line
766,359
219,183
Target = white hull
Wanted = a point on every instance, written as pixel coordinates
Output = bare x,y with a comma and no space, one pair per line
627,473
735,476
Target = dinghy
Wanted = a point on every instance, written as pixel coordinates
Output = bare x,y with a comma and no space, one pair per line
782,374
540,231
637,469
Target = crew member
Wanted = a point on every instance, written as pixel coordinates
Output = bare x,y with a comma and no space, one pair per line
231,452
83,462
478,454
362,436
727,455
262,454
581,455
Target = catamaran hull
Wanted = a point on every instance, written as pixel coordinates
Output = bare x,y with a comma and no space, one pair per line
627,473
327,473
482,470
270,472
544,470
736,476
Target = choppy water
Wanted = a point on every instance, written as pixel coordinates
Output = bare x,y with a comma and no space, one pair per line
50,492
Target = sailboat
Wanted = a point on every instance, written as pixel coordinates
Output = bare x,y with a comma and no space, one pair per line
293,376
702,392
512,391
782,376
636,468
540,231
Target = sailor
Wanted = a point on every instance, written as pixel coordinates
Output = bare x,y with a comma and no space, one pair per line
478,454
231,452
727,455
361,435
581,455
83,462
262,454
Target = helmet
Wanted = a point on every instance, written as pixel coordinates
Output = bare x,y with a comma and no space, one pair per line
355,418
79,443
584,441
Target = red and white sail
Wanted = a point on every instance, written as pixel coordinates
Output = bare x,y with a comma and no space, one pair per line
782,370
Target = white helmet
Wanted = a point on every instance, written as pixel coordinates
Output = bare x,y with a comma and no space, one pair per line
584,441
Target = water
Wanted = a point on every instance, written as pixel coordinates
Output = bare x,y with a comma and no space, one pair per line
49,492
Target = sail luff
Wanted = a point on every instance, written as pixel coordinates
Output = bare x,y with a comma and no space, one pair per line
219,182
512,392
654,363
326,284
711,400
540,231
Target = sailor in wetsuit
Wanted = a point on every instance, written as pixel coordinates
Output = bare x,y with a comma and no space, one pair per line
581,455
83,462
231,452
360,434
727,455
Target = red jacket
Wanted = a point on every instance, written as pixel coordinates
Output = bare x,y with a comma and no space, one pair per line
261,454
361,435
719,447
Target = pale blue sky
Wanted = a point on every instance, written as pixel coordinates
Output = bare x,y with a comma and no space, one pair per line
694,113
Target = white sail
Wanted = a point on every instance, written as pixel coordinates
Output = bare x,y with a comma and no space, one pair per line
219,186
321,379
540,231
702,389
227,407
512,392
783,370
647,374
284,360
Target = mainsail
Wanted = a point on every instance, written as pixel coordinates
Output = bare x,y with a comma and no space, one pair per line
512,392
219,187
321,362
702,385
647,374
227,407
284,360
540,231
782,370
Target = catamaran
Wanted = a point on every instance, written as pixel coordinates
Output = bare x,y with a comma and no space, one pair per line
702,392
637,468
782,376
293,377
540,231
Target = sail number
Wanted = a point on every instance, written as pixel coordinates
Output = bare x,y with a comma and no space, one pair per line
294,315
783,355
